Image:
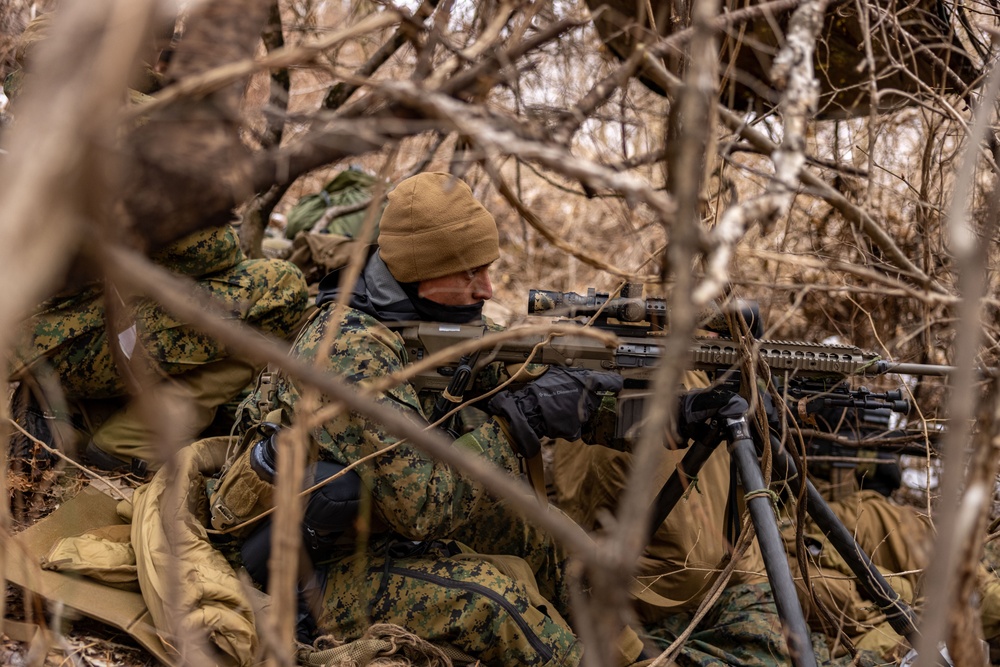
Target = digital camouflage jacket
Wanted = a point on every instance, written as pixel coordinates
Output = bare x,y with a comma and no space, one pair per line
417,496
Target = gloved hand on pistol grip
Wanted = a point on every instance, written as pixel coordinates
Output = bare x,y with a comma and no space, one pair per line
556,405
701,405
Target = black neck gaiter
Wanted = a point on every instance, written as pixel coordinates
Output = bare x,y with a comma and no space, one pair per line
432,311
381,296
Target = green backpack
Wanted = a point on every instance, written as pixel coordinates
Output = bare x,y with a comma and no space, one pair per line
351,186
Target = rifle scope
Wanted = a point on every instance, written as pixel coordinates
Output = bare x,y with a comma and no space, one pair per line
629,307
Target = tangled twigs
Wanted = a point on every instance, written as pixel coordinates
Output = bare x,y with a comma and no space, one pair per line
793,71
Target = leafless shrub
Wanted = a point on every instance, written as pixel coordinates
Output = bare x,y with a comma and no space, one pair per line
845,227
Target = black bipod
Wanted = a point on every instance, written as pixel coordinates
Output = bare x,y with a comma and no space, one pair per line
765,522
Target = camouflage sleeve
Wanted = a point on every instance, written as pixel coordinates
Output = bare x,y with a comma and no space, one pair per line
203,252
418,496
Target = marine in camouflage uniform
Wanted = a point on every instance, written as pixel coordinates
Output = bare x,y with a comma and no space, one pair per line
897,540
68,337
456,565
896,537
435,594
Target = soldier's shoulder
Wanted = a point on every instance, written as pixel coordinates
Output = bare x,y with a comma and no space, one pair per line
202,252
355,334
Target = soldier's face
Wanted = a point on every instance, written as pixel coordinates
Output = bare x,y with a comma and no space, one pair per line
464,288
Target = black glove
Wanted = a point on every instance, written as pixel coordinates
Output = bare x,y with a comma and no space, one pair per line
556,405
697,407
773,416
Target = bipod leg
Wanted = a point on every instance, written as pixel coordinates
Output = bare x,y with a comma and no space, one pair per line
677,484
899,614
765,522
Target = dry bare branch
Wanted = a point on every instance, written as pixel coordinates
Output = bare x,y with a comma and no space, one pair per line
972,259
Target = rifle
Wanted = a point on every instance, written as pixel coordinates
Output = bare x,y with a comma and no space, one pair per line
804,371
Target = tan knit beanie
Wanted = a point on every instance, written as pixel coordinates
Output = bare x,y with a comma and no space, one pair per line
433,226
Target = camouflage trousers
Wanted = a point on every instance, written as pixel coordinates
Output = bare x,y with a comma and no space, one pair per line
70,338
504,609
742,628
477,604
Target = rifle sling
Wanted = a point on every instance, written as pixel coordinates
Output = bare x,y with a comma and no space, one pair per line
534,468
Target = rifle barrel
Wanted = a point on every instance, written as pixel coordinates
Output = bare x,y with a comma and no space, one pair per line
916,369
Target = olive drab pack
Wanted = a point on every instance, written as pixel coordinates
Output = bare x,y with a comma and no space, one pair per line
324,229
350,187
